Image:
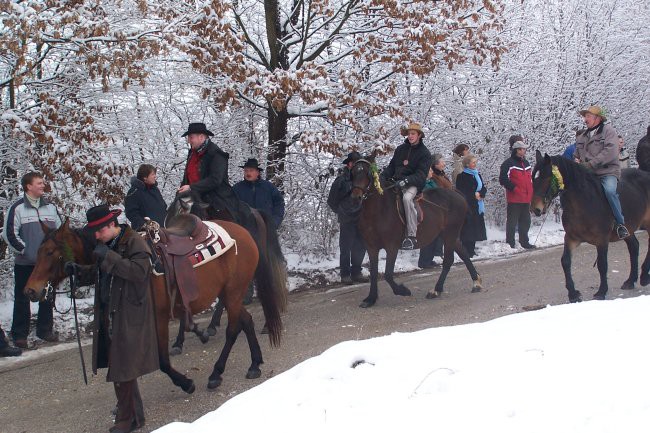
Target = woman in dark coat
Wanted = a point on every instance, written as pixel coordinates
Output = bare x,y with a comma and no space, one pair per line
144,198
470,184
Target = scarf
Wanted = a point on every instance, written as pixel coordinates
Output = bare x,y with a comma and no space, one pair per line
35,202
479,187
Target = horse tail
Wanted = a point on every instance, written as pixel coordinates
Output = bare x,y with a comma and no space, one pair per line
271,280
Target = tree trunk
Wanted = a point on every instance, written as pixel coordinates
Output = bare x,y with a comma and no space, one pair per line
278,127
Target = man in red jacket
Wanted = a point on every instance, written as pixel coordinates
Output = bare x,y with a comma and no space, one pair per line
516,177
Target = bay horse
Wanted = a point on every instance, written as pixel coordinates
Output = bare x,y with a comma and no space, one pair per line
227,277
265,237
587,216
382,227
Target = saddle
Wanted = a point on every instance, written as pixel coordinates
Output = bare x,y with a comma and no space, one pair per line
189,243
399,203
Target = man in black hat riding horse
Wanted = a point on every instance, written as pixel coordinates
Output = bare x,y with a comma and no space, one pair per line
206,173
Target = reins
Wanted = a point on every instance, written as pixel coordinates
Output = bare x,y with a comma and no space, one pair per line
76,326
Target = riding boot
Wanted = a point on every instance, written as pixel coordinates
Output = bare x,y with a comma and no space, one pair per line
130,411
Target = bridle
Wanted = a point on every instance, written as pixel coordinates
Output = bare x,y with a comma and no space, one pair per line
555,186
364,191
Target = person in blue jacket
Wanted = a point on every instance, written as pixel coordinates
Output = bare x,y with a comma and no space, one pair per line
259,193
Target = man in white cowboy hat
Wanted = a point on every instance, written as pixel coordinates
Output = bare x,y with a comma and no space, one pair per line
597,150
124,328
206,173
409,167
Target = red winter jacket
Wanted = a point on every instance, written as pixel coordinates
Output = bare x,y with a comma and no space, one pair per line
517,178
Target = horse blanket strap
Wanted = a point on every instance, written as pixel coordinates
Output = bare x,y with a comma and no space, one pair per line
181,254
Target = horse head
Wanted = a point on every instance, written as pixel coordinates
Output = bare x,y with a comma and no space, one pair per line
542,184
183,204
59,246
365,176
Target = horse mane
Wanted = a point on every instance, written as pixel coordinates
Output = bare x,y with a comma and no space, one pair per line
89,242
575,174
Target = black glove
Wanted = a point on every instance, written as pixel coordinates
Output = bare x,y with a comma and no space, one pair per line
70,268
402,183
100,250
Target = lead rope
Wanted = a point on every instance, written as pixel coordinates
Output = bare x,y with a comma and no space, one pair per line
76,325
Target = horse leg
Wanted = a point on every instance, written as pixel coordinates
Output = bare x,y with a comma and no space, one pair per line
633,248
194,328
178,379
602,270
569,246
373,257
211,330
232,331
177,347
398,289
645,268
256,353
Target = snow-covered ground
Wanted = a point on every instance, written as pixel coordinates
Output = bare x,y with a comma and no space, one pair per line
569,368
305,271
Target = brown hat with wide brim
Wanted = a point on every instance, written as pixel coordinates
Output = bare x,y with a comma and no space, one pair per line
596,111
412,127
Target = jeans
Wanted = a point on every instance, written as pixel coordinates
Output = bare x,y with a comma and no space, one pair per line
609,184
409,210
22,312
517,215
351,249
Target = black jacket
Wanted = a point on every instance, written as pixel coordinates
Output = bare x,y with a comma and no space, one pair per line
142,201
643,152
214,186
340,200
474,227
416,170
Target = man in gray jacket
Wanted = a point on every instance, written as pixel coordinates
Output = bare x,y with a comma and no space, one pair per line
597,150
23,232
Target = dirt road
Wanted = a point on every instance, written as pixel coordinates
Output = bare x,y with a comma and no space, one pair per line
48,394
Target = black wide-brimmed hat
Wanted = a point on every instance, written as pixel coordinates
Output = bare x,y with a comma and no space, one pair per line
197,128
352,157
99,216
252,163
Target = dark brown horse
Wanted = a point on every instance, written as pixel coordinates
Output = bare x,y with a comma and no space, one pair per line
587,216
382,227
227,277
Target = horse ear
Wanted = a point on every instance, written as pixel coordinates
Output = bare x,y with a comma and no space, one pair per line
66,224
538,156
44,226
547,158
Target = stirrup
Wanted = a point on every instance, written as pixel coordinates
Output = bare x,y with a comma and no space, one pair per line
408,244
621,231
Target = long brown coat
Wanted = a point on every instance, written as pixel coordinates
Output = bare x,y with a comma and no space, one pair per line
128,315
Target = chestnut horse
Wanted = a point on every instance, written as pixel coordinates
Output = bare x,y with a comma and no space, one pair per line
382,227
587,216
227,277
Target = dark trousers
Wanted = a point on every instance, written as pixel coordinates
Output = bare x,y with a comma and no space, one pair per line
428,252
3,339
22,312
130,412
517,215
351,248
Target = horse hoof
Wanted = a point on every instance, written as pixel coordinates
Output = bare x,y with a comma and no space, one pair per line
599,296
214,383
433,295
189,388
402,291
253,373
575,298
367,303
175,350
211,332
645,280
628,285
204,338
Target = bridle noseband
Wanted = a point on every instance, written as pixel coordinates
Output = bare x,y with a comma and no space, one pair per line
365,191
